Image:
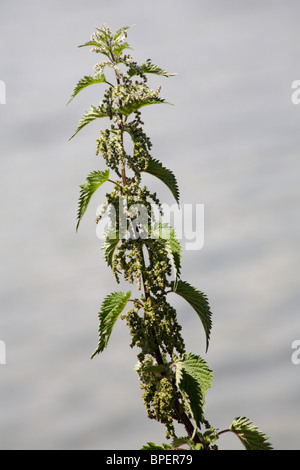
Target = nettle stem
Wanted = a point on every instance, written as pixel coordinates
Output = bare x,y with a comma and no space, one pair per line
174,382
182,416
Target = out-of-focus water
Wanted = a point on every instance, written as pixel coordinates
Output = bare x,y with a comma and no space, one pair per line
233,141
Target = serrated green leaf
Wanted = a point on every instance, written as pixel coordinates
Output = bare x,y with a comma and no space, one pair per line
91,43
250,436
180,441
119,48
152,446
99,47
118,34
193,378
148,67
166,233
156,168
89,116
139,103
111,241
198,301
111,308
85,82
93,181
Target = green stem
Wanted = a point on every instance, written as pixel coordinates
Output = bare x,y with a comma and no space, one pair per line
114,182
182,416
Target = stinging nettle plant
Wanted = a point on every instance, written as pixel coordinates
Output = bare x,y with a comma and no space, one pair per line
147,254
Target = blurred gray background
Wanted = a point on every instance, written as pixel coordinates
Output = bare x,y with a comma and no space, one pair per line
233,141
